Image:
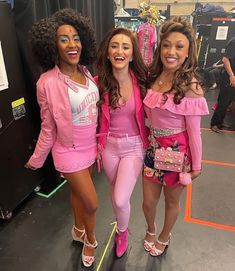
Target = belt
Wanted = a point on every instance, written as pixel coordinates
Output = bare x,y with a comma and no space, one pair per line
120,135
116,135
158,132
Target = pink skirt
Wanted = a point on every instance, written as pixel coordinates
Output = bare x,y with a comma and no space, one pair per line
178,142
82,155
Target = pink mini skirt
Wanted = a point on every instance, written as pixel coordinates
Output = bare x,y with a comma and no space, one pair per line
82,155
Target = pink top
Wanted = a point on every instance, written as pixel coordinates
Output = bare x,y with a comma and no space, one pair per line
104,116
186,115
122,119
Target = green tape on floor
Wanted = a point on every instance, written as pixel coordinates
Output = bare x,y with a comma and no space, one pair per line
52,192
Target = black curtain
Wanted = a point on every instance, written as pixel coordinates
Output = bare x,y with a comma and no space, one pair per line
25,13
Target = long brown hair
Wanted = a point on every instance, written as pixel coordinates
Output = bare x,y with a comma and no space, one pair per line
184,76
107,82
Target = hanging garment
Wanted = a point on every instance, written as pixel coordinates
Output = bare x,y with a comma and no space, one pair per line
147,39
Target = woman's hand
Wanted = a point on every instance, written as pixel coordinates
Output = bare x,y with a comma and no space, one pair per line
195,173
99,162
29,166
232,80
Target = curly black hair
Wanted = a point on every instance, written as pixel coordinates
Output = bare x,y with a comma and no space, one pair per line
107,81
184,76
42,37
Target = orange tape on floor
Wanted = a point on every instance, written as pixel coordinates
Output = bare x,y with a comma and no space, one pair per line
188,218
188,206
218,163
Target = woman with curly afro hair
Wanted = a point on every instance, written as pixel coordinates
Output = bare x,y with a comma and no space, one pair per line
67,95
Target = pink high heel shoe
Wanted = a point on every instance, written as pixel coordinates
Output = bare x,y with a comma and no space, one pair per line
121,241
88,260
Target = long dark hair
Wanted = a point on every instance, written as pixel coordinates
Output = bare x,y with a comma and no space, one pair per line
184,76
107,82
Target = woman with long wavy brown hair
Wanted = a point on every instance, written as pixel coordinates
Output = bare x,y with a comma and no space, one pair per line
122,135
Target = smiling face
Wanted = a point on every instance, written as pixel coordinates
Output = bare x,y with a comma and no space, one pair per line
69,46
174,51
120,52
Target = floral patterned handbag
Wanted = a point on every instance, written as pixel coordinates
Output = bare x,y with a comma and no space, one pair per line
169,160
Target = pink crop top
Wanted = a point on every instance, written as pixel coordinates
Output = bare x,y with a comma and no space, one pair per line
122,119
186,115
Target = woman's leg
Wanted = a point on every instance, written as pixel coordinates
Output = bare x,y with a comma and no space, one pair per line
122,176
128,171
123,162
84,196
78,211
126,176
224,100
151,196
110,163
172,209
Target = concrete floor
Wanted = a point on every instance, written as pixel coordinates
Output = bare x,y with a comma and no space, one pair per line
37,238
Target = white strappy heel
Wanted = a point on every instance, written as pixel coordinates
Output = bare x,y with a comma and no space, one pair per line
74,235
157,252
148,245
88,260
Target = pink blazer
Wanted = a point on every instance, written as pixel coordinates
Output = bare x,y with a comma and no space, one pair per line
104,117
55,110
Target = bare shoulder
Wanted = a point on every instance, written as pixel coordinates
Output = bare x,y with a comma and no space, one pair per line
195,90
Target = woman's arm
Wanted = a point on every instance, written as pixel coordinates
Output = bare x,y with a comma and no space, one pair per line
193,124
47,134
229,70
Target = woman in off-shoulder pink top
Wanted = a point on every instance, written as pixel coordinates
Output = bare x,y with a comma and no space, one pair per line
174,104
185,116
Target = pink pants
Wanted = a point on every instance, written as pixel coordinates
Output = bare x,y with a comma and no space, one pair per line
123,161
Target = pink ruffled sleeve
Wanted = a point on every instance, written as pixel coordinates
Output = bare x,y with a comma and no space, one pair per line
188,106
